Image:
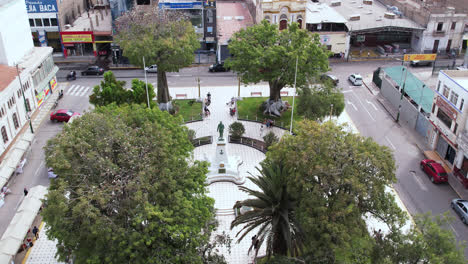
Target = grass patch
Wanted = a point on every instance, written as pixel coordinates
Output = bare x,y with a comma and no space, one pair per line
189,109
249,108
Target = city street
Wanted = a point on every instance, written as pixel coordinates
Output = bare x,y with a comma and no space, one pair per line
414,188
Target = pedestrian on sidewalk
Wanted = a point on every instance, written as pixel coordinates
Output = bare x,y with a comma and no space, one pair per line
207,111
35,232
261,130
25,191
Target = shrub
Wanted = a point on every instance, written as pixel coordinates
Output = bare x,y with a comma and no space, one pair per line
236,130
191,134
270,139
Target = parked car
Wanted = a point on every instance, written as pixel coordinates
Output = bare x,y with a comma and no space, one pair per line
462,68
62,115
416,63
355,79
461,208
218,67
434,170
93,70
330,77
152,69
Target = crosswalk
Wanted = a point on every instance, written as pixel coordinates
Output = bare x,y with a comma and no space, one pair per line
79,90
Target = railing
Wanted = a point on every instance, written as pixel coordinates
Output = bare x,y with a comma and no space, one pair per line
251,142
197,142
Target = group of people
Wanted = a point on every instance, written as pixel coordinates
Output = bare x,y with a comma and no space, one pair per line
207,103
268,123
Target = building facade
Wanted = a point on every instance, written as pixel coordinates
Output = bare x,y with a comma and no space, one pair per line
27,73
448,117
283,13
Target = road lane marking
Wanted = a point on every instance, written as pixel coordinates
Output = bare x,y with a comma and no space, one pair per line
38,168
419,181
69,91
455,232
389,142
364,107
348,102
347,91
76,91
84,91
372,104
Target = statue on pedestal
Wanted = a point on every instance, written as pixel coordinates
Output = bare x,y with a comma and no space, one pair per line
220,129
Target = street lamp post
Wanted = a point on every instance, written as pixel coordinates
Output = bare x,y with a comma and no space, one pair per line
24,99
294,96
146,82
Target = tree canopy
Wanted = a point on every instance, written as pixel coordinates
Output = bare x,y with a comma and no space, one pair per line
319,101
128,189
263,53
164,37
112,91
336,177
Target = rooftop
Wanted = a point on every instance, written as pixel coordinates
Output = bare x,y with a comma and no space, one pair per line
322,13
97,20
460,77
7,75
35,57
230,18
362,16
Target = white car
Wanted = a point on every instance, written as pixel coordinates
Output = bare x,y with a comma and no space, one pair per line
152,69
355,79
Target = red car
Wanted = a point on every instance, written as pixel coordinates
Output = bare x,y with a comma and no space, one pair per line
434,170
62,115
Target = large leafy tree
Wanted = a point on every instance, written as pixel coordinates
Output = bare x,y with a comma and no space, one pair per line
319,101
112,91
263,53
128,190
336,177
272,217
164,37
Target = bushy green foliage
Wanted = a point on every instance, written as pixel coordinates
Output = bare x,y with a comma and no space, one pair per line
319,101
270,138
128,191
236,130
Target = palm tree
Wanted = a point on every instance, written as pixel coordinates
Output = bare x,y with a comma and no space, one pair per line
272,215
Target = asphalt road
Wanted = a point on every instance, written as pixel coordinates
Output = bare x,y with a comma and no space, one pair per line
416,191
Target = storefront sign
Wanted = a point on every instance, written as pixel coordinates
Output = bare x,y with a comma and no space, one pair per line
77,38
452,113
41,6
420,57
188,5
53,83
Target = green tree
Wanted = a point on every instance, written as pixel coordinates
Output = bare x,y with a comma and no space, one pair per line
337,177
263,53
164,37
319,101
112,91
272,217
428,241
128,191
236,130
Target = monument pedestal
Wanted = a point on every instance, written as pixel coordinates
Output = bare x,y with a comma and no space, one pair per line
223,167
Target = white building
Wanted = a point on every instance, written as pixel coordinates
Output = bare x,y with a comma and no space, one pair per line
449,136
23,89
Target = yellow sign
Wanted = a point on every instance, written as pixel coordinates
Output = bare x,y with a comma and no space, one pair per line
420,57
77,38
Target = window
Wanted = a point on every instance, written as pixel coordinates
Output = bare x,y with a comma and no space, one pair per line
209,15
461,104
15,121
28,106
4,135
455,129
31,22
53,22
46,22
209,29
267,18
454,24
38,22
454,98
444,118
438,87
440,25
446,91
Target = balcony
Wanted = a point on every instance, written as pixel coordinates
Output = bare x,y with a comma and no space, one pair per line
438,33
443,129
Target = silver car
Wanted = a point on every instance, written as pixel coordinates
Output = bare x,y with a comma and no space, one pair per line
461,208
152,69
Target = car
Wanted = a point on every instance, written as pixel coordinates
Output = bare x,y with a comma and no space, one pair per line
434,170
416,63
461,208
62,115
462,68
355,79
96,70
329,77
152,69
218,67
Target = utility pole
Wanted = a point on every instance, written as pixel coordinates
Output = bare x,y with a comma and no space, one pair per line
146,81
402,94
24,99
294,95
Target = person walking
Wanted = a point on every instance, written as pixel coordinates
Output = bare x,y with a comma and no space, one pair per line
25,191
35,232
261,131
